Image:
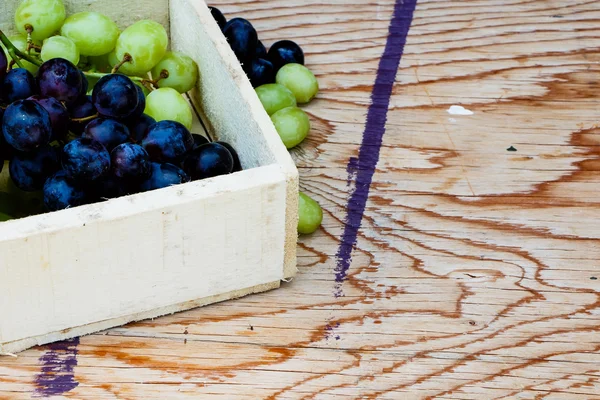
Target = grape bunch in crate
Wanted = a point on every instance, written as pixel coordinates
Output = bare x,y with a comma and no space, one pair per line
89,112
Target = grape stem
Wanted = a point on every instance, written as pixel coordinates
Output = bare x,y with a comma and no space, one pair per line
85,119
30,44
17,54
99,75
126,58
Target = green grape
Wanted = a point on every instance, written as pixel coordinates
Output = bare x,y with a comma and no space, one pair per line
300,80
169,104
60,47
146,42
94,34
275,97
310,214
183,72
20,42
44,16
292,124
101,63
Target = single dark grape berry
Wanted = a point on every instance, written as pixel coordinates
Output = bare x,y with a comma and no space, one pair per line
6,150
167,141
84,84
109,132
242,38
261,51
130,161
30,170
209,160
218,16
110,187
261,72
199,140
237,165
285,52
58,115
26,125
139,127
18,84
84,108
139,110
85,159
164,175
115,96
61,192
60,79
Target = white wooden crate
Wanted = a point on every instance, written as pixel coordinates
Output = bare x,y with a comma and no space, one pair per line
85,269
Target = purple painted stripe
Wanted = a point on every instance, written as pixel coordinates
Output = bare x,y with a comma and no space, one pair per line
361,169
57,371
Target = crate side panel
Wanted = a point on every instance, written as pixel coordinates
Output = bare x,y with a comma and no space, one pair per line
229,105
123,12
135,263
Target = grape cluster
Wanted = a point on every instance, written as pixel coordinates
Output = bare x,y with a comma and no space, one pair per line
282,82
89,113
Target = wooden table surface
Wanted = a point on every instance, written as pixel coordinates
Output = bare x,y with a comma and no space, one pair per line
459,252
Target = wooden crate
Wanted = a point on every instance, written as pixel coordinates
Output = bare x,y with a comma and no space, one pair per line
85,269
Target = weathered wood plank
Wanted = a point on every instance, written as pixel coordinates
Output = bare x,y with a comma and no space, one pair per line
475,272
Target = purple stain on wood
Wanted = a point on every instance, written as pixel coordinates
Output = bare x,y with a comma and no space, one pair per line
362,169
57,371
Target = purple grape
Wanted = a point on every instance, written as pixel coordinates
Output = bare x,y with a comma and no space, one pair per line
6,151
237,165
285,52
139,110
85,159
110,187
199,140
60,79
109,132
61,192
115,96
30,170
164,175
3,64
58,115
167,141
261,72
130,161
84,84
26,125
18,84
139,127
242,38
209,160
261,50
82,109
218,16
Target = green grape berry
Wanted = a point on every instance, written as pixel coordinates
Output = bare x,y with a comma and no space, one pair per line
299,80
60,47
310,214
44,16
292,124
94,34
100,63
182,72
169,104
146,42
275,97
20,42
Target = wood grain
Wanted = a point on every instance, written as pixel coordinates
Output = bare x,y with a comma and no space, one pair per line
475,272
